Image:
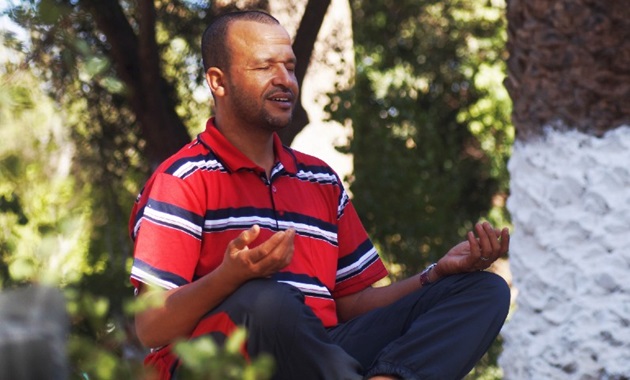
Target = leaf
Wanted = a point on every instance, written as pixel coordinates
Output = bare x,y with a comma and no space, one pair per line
236,341
113,85
48,12
96,65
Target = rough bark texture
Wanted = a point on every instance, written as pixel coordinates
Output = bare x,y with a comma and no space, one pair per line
569,64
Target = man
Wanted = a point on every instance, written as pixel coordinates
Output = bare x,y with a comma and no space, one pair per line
240,230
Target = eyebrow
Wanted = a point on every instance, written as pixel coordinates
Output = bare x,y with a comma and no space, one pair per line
271,59
274,61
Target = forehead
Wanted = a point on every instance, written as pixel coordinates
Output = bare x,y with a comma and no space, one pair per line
255,39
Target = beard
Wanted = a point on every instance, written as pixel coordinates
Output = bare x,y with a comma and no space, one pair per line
254,112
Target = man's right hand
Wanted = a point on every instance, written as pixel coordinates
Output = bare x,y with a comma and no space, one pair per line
243,263
182,308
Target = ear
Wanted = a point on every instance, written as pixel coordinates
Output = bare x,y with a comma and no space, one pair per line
215,80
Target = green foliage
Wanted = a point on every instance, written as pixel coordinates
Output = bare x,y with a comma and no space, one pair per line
73,225
432,132
46,218
70,167
50,239
205,360
430,142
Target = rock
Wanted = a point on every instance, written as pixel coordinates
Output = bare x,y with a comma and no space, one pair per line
33,330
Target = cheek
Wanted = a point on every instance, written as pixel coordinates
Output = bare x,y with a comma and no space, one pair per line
259,81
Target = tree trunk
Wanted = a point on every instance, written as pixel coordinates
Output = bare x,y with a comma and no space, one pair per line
569,79
303,46
569,64
137,63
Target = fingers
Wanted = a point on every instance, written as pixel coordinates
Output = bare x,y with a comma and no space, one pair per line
487,238
491,243
244,239
281,255
474,245
483,245
277,246
267,258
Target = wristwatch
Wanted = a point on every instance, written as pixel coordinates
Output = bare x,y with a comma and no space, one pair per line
424,276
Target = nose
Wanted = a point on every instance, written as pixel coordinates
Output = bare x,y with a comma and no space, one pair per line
284,77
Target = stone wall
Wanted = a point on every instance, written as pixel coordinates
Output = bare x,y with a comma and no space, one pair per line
570,258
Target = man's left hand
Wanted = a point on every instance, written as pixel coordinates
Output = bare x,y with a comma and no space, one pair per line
482,247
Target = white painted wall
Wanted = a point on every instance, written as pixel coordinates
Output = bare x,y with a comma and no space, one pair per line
570,258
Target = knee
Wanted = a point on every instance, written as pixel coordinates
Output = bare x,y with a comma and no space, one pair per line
497,284
268,302
494,289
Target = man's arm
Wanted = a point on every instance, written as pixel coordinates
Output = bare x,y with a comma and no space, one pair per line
181,308
361,302
476,253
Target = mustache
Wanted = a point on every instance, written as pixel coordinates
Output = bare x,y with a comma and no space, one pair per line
281,93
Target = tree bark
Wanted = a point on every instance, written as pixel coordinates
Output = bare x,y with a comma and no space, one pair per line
303,46
569,64
569,79
137,62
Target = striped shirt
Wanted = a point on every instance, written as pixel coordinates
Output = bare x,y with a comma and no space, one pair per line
205,195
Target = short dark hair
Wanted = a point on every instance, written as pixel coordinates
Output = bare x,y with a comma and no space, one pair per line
214,49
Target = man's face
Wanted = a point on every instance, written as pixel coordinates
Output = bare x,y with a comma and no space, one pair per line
261,84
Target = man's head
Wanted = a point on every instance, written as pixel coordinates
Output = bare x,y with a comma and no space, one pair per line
214,47
250,68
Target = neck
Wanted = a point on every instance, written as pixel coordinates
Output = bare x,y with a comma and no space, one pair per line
255,143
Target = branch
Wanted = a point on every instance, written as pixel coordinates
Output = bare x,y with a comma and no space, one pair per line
137,63
111,20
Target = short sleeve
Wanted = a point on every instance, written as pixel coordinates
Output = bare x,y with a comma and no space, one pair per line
167,225
359,265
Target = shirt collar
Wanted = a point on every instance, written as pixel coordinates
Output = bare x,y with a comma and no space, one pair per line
234,160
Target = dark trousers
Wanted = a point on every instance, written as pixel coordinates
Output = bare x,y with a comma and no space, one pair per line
437,332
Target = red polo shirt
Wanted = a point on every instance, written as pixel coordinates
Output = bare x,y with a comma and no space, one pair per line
205,195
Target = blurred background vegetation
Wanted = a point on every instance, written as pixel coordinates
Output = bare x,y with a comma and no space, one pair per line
93,94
